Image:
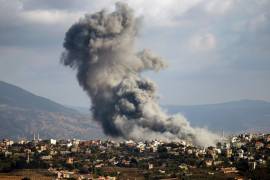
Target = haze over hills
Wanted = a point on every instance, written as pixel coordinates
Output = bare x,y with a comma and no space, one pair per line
23,113
232,117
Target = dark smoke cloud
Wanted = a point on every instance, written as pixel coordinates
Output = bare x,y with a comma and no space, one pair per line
101,47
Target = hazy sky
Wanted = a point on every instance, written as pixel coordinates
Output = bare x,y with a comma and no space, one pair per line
218,50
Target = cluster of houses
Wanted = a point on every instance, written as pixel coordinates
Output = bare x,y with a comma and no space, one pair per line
92,159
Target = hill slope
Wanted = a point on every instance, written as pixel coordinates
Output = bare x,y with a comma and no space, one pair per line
15,96
23,113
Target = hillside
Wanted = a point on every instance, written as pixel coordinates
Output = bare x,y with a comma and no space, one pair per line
17,97
23,113
232,117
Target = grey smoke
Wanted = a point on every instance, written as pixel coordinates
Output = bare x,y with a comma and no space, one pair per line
101,47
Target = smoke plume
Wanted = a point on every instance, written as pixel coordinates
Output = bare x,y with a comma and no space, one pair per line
101,47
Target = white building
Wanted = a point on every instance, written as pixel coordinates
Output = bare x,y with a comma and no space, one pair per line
53,141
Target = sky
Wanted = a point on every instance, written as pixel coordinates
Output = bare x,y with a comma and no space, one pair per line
217,50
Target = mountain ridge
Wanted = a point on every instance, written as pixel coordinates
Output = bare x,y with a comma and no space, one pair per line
13,95
23,113
237,116
233,116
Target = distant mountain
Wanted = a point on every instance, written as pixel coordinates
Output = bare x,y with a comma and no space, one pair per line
23,113
232,117
15,96
82,110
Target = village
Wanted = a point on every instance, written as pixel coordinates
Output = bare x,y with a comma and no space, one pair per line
235,157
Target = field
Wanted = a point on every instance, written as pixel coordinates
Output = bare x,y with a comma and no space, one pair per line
29,173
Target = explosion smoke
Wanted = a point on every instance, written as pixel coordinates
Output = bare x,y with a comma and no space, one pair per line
101,47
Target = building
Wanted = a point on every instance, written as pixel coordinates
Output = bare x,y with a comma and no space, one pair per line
49,157
69,160
53,141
